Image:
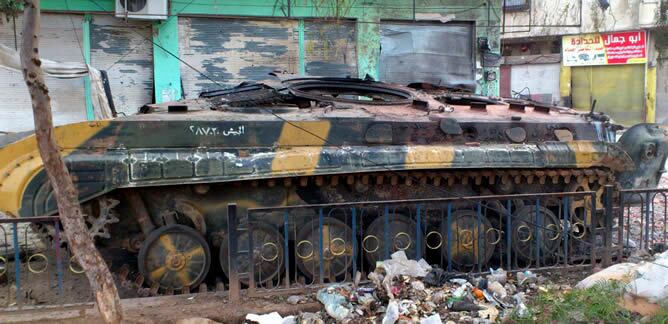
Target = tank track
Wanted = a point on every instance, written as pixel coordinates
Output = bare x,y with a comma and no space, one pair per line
576,179
438,178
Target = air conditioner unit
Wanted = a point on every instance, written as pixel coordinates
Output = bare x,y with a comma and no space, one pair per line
142,9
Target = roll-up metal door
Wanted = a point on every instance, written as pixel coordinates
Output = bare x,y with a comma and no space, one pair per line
540,82
329,48
619,90
231,51
58,41
440,54
662,89
119,48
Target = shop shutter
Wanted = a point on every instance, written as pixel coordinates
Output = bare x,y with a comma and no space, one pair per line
125,51
662,89
619,90
329,48
231,51
58,41
538,82
439,54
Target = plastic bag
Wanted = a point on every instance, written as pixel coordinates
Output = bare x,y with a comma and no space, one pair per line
336,305
433,319
400,265
271,318
651,280
391,313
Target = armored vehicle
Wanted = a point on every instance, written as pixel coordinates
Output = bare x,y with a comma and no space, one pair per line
155,185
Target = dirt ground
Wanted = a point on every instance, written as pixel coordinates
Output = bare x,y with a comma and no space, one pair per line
215,306
167,309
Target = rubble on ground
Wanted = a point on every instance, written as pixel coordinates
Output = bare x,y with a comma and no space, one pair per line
645,283
409,291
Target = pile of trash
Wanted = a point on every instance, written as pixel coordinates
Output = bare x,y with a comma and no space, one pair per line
408,291
644,282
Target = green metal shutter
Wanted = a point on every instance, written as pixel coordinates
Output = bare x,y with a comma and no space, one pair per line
123,50
329,48
619,90
231,51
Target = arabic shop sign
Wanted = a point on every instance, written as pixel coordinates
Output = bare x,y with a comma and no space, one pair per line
604,49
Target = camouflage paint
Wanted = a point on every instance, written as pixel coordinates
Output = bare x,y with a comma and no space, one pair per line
141,153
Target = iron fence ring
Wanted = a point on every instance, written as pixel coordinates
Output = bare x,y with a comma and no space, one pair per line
556,229
364,244
395,240
40,255
498,239
528,238
440,240
3,270
301,256
575,226
271,244
337,240
72,268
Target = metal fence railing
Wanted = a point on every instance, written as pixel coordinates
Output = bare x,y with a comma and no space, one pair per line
643,214
34,271
283,249
303,246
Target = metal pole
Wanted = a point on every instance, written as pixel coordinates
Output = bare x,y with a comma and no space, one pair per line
286,246
449,220
592,228
59,261
232,245
17,262
607,237
418,235
509,228
354,216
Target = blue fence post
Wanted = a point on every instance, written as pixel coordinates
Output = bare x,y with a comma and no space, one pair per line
607,257
17,262
509,236
478,239
566,224
592,228
322,246
59,262
418,235
386,232
537,231
354,216
232,252
286,251
449,237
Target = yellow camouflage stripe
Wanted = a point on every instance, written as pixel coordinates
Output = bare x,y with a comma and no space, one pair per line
21,161
299,147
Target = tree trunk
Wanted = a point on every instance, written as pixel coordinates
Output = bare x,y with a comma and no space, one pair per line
80,242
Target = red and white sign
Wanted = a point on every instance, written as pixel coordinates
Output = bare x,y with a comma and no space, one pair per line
604,49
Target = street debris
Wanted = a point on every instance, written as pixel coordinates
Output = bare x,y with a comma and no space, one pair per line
271,318
408,291
645,283
196,320
296,299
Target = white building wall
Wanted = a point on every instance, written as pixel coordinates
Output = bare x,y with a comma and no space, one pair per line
551,17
